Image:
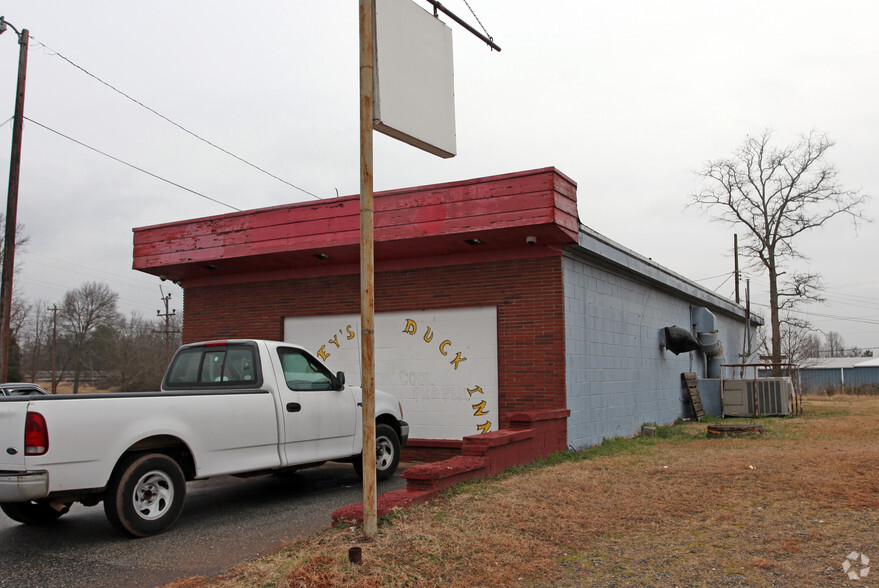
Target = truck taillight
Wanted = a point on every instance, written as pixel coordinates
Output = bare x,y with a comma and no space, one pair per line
36,435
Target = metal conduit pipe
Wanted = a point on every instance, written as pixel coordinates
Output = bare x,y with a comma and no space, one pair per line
712,347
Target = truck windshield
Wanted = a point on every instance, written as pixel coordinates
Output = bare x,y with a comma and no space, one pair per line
303,372
226,366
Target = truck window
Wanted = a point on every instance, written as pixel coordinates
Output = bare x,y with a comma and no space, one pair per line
216,366
303,372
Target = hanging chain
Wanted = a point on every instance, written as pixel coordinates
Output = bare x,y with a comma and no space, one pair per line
477,20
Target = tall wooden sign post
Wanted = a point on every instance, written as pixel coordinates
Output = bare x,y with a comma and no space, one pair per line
406,92
367,266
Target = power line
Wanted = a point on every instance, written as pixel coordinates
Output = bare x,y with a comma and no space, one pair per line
60,288
713,277
131,165
728,278
92,272
870,283
179,126
863,320
835,297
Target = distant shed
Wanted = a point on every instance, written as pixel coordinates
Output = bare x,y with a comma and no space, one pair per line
820,374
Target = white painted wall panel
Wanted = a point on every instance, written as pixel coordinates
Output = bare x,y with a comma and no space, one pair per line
442,364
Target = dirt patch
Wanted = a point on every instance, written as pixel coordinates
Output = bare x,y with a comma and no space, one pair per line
679,509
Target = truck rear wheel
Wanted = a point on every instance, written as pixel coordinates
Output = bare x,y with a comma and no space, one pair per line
145,494
387,453
31,513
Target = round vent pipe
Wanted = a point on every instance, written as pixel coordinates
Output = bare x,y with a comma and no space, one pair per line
678,340
712,347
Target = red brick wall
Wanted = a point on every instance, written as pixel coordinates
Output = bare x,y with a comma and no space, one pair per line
528,294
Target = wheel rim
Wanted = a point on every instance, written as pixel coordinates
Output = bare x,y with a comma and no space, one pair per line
384,453
153,495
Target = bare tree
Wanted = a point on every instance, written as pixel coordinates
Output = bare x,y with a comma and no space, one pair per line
35,337
798,339
21,238
20,314
91,305
131,353
18,311
834,344
777,194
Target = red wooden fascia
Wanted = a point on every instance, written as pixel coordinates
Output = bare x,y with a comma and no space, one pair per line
499,210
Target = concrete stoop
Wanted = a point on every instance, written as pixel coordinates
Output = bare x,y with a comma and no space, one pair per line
531,435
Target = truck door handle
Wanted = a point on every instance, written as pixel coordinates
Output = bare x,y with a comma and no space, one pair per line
293,407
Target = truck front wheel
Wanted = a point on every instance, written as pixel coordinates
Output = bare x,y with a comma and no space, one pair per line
387,453
31,513
145,494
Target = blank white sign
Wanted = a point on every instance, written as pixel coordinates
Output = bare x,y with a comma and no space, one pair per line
414,77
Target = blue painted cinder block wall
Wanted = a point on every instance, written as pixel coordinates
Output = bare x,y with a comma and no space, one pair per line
618,377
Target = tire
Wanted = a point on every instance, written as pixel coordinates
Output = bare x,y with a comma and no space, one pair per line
32,513
387,453
145,494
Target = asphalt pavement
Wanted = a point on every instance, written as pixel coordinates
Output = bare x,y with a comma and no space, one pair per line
225,521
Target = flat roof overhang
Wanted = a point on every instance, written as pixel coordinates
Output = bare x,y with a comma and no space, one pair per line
469,221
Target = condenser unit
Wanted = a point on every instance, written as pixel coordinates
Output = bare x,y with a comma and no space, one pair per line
774,397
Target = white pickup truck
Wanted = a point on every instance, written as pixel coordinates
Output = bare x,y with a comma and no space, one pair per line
226,407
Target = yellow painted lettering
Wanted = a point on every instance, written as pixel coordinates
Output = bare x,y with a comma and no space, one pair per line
484,427
350,331
428,336
443,346
334,341
475,390
411,327
480,409
458,359
322,352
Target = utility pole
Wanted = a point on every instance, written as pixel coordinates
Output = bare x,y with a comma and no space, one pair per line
12,201
367,9
738,276
166,298
54,310
367,267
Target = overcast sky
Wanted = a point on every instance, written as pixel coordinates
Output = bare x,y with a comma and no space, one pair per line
627,98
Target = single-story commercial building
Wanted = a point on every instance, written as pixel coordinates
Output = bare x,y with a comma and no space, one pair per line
491,298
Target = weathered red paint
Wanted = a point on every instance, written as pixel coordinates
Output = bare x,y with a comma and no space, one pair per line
533,434
426,225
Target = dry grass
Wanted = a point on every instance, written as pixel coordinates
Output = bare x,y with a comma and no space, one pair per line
784,509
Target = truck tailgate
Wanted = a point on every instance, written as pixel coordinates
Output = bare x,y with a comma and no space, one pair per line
12,416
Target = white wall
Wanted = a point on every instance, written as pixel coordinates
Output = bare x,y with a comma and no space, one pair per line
441,364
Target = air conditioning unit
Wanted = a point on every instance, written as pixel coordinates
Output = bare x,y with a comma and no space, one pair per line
774,397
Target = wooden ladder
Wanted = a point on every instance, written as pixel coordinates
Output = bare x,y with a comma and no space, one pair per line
691,382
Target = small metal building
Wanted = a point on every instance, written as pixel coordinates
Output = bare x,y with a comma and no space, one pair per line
820,374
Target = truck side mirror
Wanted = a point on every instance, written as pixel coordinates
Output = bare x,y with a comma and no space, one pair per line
340,379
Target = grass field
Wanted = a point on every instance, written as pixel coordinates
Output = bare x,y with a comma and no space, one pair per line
678,509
